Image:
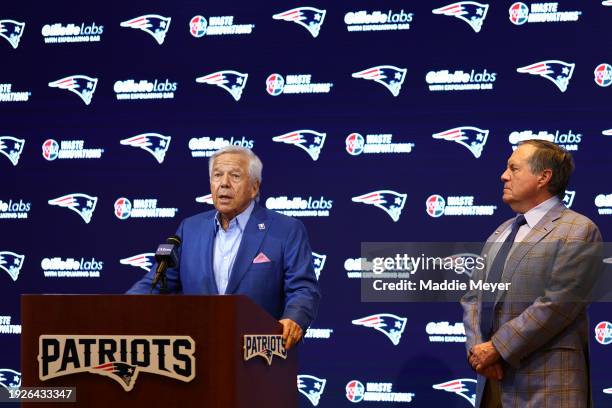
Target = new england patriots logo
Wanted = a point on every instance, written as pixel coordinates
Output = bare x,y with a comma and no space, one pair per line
471,137
465,387
390,325
124,374
82,204
153,143
205,199
10,378
11,147
312,387
388,75
308,17
143,261
568,198
11,263
319,262
389,201
558,72
469,11
81,85
232,81
308,140
153,24
12,31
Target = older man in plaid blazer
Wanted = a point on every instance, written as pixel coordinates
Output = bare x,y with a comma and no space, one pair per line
529,343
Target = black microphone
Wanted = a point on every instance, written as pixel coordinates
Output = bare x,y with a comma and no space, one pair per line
166,258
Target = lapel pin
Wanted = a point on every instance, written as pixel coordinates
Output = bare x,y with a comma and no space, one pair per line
261,226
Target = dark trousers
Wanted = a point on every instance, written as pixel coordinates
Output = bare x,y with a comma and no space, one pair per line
491,398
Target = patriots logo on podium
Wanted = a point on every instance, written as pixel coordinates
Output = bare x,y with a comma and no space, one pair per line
143,261
308,140
12,31
558,72
311,387
81,85
390,325
10,378
469,11
11,147
389,201
153,143
153,24
391,77
82,204
205,199
125,374
232,81
469,136
319,262
11,263
465,387
264,345
568,198
308,17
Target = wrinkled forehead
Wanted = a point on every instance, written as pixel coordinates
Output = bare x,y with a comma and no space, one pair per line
522,154
234,161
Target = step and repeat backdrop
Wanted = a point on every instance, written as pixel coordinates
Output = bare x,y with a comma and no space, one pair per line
377,121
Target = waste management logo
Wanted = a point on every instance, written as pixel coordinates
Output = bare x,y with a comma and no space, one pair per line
380,143
7,94
276,85
200,26
169,356
436,206
375,392
69,149
521,13
125,208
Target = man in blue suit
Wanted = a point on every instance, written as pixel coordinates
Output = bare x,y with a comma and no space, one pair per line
242,248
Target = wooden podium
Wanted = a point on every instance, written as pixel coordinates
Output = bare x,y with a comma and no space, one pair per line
217,324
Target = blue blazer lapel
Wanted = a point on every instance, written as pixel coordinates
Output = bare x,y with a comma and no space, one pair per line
207,239
253,235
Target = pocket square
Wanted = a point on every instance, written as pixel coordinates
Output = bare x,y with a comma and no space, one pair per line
261,258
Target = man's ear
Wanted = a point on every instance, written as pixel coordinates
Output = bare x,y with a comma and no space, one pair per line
545,177
255,187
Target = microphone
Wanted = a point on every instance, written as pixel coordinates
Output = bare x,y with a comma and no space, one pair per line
166,258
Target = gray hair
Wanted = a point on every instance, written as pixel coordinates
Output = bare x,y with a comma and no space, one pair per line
255,164
555,158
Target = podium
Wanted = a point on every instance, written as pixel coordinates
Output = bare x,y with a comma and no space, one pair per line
177,336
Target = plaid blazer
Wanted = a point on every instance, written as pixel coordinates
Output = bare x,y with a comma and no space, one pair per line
540,324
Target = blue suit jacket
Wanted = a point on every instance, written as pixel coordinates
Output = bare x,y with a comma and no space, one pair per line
286,287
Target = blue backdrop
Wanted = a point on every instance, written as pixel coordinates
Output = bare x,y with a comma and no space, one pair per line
104,107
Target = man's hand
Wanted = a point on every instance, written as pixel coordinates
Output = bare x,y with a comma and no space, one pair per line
493,372
482,356
292,332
